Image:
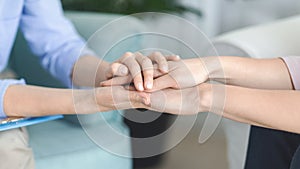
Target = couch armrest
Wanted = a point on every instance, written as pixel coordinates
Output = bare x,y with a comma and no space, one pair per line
280,38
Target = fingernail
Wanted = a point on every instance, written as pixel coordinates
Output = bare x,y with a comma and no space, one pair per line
124,71
149,85
140,87
177,56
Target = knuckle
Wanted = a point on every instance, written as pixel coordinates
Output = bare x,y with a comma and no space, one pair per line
126,54
138,53
156,53
135,70
162,60
146,63
148,73
114,67
129,61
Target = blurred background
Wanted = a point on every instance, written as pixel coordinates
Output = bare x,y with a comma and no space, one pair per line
213,17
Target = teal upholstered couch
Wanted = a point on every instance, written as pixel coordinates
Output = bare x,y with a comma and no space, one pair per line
63,144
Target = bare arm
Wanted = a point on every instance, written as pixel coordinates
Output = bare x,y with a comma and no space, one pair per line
91,71
25,100
278,109
241,71
238,71
255,73
22,100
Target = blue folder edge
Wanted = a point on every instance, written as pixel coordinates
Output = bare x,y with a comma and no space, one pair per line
28,122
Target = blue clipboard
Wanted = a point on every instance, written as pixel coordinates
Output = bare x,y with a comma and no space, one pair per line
22,122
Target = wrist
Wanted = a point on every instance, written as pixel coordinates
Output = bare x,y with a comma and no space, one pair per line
214,68
101,72
198,69
118,98
206,68
84,101
205,94
89,71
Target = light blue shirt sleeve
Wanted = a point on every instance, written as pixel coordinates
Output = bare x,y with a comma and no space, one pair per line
4,84
52,37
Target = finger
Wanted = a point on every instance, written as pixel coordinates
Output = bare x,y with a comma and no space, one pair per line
163,82
119,69
116,69
156,72
113,68
173,58
147,68
125,55
130,88
135,71
117,81
160,60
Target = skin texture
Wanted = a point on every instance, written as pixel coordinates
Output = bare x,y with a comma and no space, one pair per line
181,74
246,72
25,100
258,91
238,71
91,71
39,101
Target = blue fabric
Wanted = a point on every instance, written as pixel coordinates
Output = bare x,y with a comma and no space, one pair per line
53,39
49,34
3,86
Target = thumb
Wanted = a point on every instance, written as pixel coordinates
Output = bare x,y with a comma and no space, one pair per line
119,69
116,69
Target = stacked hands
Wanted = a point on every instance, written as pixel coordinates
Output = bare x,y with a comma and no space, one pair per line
160,83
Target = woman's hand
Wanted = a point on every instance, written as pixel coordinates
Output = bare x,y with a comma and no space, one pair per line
104,99
182,74
181,102
118,98
139,68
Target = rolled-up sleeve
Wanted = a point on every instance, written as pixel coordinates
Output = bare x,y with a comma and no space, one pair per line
4,84
293,64
52,37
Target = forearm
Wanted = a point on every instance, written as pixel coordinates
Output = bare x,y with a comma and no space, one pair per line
252,73
277,109
89,71
24,100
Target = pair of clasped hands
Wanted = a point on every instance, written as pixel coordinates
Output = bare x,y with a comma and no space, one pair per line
156,82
